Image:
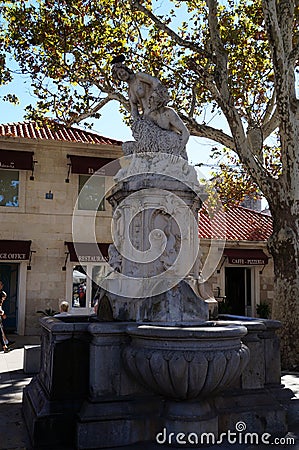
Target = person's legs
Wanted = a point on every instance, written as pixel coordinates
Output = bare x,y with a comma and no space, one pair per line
3,339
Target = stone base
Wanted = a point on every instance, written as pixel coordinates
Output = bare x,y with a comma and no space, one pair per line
261,410
145,420
152,423
50,424
118,423
190,417
83,398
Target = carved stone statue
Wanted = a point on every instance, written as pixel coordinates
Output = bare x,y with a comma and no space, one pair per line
115,259
156,127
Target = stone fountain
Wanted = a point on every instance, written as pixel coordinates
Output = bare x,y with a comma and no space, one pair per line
155,366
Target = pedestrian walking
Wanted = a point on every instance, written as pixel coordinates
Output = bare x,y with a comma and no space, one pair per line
5,342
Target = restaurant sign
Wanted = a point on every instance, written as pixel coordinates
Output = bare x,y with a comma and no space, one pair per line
246,257
85,252
246,261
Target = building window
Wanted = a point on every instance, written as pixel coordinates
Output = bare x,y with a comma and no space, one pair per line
91,193
9,187
86,280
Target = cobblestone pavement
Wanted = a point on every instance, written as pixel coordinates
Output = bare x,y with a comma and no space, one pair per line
13,433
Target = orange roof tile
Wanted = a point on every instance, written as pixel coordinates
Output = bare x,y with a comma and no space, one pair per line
54,131
236,224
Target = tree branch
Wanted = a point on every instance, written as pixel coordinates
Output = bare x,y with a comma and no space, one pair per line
240,143
178,39
91,111
283,71
208,80
274,14
221,73
270,108
273,29
271,117
225,99
208,132
270,125
285,13
259,174
220,76
294,55
193,102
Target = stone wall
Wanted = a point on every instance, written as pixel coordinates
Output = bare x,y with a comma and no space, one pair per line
263,291
48,223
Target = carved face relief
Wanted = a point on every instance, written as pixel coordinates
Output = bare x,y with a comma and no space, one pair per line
122,74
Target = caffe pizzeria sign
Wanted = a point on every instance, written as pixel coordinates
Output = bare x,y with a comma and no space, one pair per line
246,257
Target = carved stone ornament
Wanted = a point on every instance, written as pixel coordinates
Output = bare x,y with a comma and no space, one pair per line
185,363
151,138
162,164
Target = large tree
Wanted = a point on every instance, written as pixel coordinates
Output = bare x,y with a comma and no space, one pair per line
5,75
237,56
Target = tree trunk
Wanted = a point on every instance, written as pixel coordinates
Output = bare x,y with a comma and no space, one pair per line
284,247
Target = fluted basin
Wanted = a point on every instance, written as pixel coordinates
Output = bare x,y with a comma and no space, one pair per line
185,362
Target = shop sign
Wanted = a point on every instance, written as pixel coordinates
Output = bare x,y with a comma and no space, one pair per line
13,256
85,252
90,258
246,261
14,159
246,257
88,165
11,250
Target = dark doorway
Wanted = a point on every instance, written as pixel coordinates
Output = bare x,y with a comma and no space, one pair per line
238,290
9,277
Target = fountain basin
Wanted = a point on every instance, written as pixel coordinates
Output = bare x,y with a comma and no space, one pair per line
185,363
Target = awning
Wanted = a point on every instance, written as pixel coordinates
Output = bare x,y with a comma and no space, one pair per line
14,250
84,252
10,159
88,165
246,257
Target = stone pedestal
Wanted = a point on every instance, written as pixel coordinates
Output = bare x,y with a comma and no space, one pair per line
261,410
119,422
54,396
261,400
190,417
86,398
156,255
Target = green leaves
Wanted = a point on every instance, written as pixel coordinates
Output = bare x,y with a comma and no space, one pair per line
11,98
71,43
67,46
231,180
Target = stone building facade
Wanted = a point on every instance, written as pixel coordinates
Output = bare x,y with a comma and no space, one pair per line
42,172
242,272
53,245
